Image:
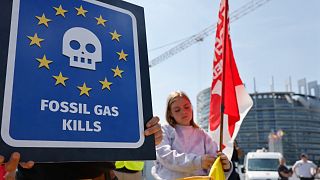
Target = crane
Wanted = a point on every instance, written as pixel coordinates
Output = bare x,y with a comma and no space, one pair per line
235,15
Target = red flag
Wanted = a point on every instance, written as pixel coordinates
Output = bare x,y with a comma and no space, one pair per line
227,88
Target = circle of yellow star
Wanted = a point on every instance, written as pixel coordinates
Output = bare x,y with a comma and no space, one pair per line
115,35
122,55
60,79
81,11
117,72
60,11
105,84
100,21
84,89
43,20
44,62
35,40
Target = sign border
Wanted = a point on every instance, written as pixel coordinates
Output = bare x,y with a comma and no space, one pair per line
5,134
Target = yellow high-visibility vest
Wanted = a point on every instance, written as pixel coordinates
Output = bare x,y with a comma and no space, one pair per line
131,165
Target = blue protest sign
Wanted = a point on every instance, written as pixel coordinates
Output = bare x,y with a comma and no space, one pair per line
74,76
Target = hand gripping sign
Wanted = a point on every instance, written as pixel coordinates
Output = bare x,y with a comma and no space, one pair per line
77,81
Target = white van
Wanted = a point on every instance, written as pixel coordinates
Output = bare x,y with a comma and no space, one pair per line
261,165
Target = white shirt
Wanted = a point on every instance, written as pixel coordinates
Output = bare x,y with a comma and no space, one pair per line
303,169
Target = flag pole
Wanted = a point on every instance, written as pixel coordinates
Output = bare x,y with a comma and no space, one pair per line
225,38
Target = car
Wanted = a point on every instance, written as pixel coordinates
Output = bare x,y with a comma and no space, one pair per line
261,165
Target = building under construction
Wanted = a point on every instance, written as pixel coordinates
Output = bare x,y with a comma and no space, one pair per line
280,121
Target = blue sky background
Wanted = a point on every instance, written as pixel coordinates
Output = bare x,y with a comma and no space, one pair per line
280,39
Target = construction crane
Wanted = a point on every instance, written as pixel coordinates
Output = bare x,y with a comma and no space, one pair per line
235,15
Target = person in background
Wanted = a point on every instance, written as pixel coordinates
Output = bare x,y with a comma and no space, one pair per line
283,171
72,170
186,150
126,170
237,152
304,168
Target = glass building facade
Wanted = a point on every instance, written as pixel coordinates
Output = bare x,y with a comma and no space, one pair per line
297,115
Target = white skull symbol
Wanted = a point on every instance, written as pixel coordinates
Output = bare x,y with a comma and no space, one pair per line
82,47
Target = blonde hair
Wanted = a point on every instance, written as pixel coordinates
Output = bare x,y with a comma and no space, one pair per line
171,98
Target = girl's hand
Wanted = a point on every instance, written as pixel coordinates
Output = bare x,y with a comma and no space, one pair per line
12,164
154,127
225,162
207,160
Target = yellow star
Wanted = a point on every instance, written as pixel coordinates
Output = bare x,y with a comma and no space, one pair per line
35,40
122,55
81,11
100,20
44,62
105,84
60,11
84,89
60,79
115,35
43,20
117,72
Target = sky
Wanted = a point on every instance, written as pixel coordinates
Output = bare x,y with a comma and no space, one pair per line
280,39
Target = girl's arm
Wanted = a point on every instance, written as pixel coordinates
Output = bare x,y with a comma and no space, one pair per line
174,160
